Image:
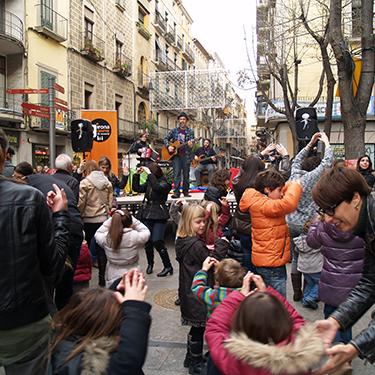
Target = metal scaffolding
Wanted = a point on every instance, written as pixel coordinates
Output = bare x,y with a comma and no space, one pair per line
188,89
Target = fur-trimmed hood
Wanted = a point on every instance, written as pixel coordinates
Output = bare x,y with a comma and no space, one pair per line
296,357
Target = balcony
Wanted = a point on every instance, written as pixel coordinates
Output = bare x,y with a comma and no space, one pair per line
188,53
123,66
171,65
11,34
159,23
142,29
179,43
126,129
10,108
161,60
170,36
51,23
92,47
121,5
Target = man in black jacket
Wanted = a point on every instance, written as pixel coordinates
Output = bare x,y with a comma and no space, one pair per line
64,169
205,157
33,249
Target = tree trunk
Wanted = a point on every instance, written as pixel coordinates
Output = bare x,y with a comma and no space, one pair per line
354,130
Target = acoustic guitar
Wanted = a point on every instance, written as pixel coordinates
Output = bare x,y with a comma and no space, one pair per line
166,155
195,162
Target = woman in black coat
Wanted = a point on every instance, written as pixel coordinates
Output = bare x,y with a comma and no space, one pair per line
364,167
154,214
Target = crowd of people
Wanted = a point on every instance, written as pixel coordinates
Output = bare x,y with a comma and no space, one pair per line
310,211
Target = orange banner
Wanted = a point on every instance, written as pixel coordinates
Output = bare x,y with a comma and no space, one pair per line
105,135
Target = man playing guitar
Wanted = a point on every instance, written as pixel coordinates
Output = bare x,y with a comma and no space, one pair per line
205,159
181,161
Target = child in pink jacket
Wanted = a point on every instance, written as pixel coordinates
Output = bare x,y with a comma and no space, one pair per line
259,333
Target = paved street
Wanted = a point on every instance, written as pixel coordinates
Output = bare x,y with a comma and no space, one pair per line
168,338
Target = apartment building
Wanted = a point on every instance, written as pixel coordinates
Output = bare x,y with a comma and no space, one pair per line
304,69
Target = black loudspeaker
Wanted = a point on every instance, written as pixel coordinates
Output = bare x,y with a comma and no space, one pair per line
306,123
81,132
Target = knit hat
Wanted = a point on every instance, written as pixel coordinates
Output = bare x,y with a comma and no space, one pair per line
183,114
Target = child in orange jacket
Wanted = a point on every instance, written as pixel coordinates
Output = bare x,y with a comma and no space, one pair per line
268,203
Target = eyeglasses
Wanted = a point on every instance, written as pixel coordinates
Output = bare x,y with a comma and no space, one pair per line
329,211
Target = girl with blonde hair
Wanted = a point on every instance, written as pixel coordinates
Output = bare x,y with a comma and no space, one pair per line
191,251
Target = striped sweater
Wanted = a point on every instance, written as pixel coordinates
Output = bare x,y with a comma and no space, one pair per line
211,297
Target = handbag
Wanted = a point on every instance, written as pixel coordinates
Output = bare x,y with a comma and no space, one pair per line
142,210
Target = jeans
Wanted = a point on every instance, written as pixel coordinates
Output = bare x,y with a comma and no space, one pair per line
310,291
181,165
210,168
246,245
275,277
157,229
341,336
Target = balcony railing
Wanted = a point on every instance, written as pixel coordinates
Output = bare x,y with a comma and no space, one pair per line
171,65
126,128
51,23
170,36
142,29
179,43
92,47
123,65
161,59
159,23
10,107
189,55
11,27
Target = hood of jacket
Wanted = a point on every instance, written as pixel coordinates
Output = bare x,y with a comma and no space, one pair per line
98,179
183,245
296,357
336,234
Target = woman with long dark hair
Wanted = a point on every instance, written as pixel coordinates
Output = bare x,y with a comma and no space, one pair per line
103,332
364,167
241,222
154,214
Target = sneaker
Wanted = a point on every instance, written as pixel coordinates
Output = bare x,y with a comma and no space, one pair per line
175,195
310,304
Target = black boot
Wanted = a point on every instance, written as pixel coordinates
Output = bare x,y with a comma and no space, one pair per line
195,366
102,263
150,257
297,285
187,359
168,269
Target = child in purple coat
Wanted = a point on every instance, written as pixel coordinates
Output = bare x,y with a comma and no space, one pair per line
342,267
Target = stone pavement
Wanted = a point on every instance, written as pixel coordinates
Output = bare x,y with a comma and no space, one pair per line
167,345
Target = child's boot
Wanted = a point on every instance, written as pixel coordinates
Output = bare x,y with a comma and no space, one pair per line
196,348
297,286
187,359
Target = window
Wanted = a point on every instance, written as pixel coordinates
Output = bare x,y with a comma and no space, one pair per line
183,64
89,90
142,15
356,22
2,81
89,24
44,100
166,17
118,50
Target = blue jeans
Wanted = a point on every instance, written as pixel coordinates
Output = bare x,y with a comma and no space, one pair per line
181,165
310,291
341,336
157,229
246,245
275,277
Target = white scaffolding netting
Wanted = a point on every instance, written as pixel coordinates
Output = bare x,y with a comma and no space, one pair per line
187,89
234,128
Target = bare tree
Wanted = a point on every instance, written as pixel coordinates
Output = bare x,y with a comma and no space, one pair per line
353,106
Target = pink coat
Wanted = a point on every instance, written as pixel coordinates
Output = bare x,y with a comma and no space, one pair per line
83,269
296,355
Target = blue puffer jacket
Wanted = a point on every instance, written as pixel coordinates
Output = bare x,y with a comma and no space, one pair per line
343,261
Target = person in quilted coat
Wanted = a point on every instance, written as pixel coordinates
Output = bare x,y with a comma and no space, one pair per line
268,203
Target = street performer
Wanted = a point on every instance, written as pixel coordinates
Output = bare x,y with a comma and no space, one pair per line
205,159
182,159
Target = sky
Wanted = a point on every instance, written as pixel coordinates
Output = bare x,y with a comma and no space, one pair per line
219,26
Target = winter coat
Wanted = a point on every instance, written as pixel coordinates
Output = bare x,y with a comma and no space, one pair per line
306,207
310,260
343,261
156,192
95,197
72,182
362,297
270,234
190,254
369,177
104,355
34,245
213,194
236,354
82,272
127,255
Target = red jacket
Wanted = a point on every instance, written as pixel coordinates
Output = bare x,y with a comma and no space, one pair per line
304,346
83,269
